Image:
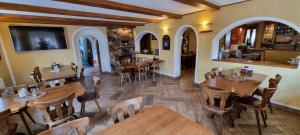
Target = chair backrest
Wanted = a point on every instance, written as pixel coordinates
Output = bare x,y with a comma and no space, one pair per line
37,77
215,100
266,96
81,75
74,67
125,61
273,82
63,111
80,125
36,71
96,85
125,109
155,64
54,83
210,75
4,122
141,68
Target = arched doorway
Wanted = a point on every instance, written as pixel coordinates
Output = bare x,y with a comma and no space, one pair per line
153,43
182,48
89,53
216,39
99,39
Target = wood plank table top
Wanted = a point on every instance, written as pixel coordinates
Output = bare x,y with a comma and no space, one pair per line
8,102
156,121
52,94
240,88
48,74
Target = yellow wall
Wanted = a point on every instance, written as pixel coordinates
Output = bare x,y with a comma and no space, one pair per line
4,73
22,63
289,89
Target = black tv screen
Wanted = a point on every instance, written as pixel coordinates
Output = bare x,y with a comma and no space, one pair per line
29,38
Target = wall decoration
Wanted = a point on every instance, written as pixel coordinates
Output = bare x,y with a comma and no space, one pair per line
166,42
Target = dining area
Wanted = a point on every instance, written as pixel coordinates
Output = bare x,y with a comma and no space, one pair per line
220,105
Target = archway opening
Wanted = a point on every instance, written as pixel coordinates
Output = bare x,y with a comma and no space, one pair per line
274,42
185,52
99,45
89,53
149,45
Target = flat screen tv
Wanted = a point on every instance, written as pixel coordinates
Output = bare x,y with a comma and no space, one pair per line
29,38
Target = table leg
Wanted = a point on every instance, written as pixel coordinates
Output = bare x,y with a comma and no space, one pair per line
25,122
29,116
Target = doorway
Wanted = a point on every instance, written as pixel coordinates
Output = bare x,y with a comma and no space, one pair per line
188,53
185,53
90,54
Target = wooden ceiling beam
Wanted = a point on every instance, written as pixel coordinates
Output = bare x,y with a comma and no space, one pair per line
63,21
122,7
29,8
198,3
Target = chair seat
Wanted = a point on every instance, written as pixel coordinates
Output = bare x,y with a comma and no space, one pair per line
87,97
250,101
12,128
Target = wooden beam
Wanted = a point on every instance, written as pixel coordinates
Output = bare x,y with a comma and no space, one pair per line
198,3
29,8
122,7
63,21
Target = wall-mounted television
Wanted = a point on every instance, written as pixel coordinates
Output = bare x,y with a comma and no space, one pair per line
31,38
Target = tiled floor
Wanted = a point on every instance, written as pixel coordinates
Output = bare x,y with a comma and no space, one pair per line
179,95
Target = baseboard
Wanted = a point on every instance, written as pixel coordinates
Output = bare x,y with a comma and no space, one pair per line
170,77
289,108
197,84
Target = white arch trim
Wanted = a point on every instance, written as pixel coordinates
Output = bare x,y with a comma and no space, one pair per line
216,39
177,50
103,45
137,40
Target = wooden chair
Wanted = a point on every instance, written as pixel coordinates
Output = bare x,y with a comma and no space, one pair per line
81,75
140,71
259,107
217,102
74,67
123,74
155,68
210,75
91,96
37,74
63,111
80,125
125,109
7,128
54,83
273,83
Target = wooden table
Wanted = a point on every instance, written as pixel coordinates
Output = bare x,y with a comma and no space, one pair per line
8,102
156,121
240,88
48,74
59,92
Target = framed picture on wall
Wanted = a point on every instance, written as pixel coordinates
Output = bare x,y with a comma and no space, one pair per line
166,42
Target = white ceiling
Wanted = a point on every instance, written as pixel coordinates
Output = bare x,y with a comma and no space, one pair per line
162,5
